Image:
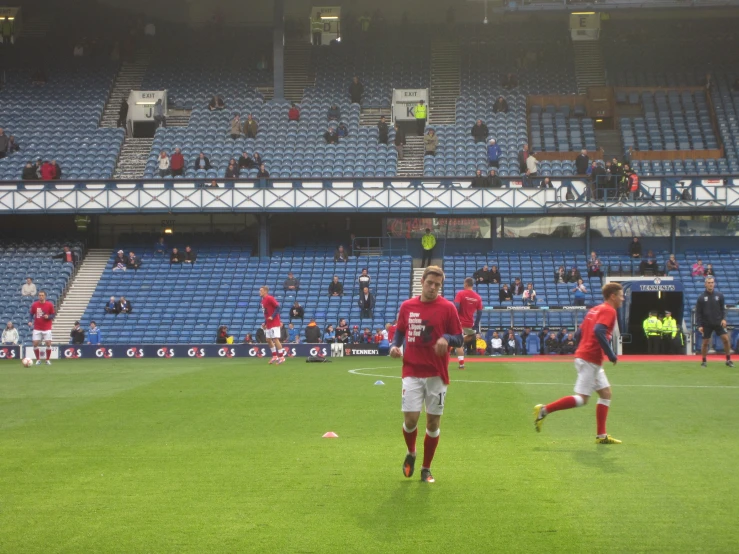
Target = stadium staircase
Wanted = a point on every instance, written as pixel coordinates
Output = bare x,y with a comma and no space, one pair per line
590,68
267,92
298,73
80,291
178,118
133,157
370,117
412,163
445,82
130,77
609,141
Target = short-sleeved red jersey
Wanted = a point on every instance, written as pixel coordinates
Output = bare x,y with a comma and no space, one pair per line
469,302
423,323
38,310
590,349
269,307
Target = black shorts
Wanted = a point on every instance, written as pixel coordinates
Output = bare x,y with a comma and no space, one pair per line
708,330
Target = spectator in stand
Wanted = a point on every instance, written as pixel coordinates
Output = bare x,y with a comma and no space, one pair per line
57,170
235,127
574,275
356,90
160,247
4,142
94,336
510,81
342,331
283,333
177,163
249,339
494,182
134,262
251,127
110,306
580,293
709,271
335,288
505,294
480,131
202,162
67,256
232,171
123,306
213,184
330,136
529,295
430,143
482,276
500,106
216,103
560,276
366,303
649,267
13,145
494,154
28,288
120,263
262,173
568,344
546,183
532,170
293,114
598,176
293,334
671,265
517,287
382,131
356,336
524,337
511,344
594,266
329,336
399,141
48,172
582,162
163,164
189,257
175,257
39,163
635,248
261,334
123,114
297,311
628,155
551,344
523,155
342,131
10,335
160,118
697,270
245,161
367,336
479,181
77,334
334,113
340,255
291,284
222,335
364,279
312,332
481,347
257,159
495,277
496,345
29,172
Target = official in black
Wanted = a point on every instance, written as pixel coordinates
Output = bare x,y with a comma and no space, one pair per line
710,316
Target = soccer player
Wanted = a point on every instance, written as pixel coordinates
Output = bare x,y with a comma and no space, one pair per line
710,315
42,315
469,306
429,324
272,324
595,334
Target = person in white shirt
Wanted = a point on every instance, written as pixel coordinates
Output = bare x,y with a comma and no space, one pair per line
529,295
29,288
10,335
496,345
163,162
532,170
364,279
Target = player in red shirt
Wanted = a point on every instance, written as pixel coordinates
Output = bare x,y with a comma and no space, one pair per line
429,324
272,324
469,305
42,316
595,335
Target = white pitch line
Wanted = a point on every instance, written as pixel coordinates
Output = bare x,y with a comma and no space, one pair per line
357,372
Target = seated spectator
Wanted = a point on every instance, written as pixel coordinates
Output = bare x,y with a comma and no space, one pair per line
355,337
245,161
329,336
334,113
480,131
293,334
342,331
560,276
671,265
250,127
494,154
235,127
594,266
160,247
505,294
293,113
330,136
356,89
482,276
709,271
190,256
202,162
249,339
232,171
562,335
297,311
568,345
261,334
366,303
378,338
496,345
481,347
48,172
383,131
262,173
57,170
283,333
177,163
29,172
479,181
335,288
163,164
342,130
517,287
546,183
67,256
495,277
340,255
698,270
291,284
494,182
10,335
4,142
216,103
551,344
123,306
175,257
364,279
529,295
94,335
120,263
524,336
77,334
110,306
500,106
13,145
574,275
213,184
510,81
430,143
28,288
580,293
257,159
649,267
133,261
510,344
367,336
635,248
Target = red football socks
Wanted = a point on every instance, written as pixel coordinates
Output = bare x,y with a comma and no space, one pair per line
564,403
48,354
37,353
429,447
410,438
601,414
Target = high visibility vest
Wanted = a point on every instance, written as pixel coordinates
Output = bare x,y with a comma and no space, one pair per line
420,111
316,26
428,242
652,327
669,327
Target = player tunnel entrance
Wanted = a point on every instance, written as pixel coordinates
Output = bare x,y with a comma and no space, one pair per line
642,297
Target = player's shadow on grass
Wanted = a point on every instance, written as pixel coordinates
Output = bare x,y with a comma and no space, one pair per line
392,516
598,458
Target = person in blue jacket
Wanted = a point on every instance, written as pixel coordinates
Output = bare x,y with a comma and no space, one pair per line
94,336
494,153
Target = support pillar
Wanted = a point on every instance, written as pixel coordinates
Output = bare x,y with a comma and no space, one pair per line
263,239
278,48
587,236
673,235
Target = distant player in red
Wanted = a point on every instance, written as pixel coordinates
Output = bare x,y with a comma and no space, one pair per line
595,335
42,316
469,305
429,324
272,324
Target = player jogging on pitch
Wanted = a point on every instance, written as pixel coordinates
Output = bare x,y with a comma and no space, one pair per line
430,325
710,316
273,325
469,306
42,316
595,335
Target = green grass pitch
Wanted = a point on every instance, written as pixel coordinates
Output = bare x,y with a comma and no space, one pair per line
226,456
